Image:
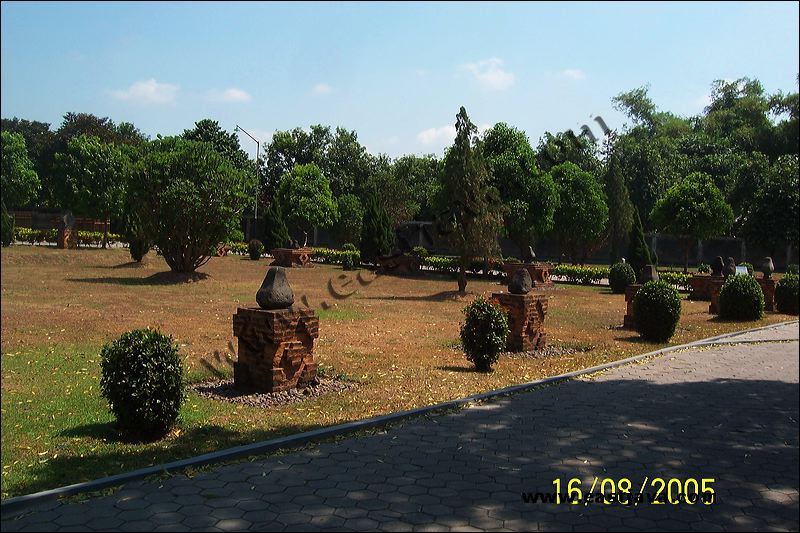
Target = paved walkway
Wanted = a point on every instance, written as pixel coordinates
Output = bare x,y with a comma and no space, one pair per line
724,412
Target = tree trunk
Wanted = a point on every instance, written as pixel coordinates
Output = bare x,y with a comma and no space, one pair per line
105,237
462,279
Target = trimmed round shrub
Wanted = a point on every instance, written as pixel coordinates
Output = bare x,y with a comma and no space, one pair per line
620,275
786,297
349,260
741,298
138,248
748,265
484,333
704,268
142,379
657,308
349,247
255,248
420,251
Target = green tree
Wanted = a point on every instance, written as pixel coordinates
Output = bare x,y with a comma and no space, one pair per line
638,251
276,235
620,207
473,216
187,197
305,194
739,112
289,148
786,133
376,231
416,182
567,147
581,219
351,216
94,175
346,163
772,216
693,209
226,144
38,142
530,195
20,183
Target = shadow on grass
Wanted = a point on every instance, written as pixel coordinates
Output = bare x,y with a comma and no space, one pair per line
463,369
160,278
126,456
443,296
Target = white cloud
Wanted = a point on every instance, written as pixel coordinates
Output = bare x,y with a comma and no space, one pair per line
437,136
322,88
573,74
148,92
231,95
490,74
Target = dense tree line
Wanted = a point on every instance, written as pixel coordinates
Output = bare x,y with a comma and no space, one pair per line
740,155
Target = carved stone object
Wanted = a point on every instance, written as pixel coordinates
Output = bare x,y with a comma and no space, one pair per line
520,282
275,292
767,268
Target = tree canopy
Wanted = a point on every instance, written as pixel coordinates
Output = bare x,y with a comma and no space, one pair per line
20,183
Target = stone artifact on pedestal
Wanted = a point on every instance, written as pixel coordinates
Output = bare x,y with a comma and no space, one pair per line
276,340
292,257
717,266
768,284
539,273
715,286
730,268
701,286
398,264
526,313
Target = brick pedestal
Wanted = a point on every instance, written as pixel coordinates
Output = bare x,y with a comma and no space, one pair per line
714,287
276,348
292,257
629,321
526,314
701,286
65,238
540,273
400,265
768,288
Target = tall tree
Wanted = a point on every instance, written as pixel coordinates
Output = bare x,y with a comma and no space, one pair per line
530,196
20,183
693,209
473,216
772,212
346,163
38,141
276,235
95,175
581,219
417,180
306,199
187,197
739,111
638,251
567,147
620,207
289,148
226,144
376,231
351,216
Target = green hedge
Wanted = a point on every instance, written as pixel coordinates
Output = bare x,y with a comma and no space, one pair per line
32,236
677,279
335,257
585,275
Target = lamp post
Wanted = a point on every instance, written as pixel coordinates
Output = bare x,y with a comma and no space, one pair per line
255,203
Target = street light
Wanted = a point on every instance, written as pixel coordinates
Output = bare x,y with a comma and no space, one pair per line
255,203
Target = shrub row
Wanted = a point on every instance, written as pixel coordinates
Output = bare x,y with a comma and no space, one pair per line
336,257
38,236
678,279
585,275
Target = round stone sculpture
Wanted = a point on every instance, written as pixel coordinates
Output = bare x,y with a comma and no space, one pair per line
275,291
521,282
717,266
767,268
730,268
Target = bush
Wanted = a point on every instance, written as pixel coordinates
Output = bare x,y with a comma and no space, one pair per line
703,268
792,269
420,251
585,275
484,333
255,248
142,379
620,275
638,251
678,279
748,265
138,248
657,308
741,298
348,261
349,247
786,297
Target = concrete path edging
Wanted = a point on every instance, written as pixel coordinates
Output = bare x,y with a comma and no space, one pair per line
290,441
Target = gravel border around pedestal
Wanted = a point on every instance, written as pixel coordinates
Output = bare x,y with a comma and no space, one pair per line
224,390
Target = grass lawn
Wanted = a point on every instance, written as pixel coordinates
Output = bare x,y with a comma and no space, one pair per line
396,338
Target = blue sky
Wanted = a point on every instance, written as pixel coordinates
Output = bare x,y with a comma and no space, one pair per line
397,73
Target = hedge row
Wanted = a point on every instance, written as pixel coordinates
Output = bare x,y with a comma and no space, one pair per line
38,236
585,275
334,257
677,279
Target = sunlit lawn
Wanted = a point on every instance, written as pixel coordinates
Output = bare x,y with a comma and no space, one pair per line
395,338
